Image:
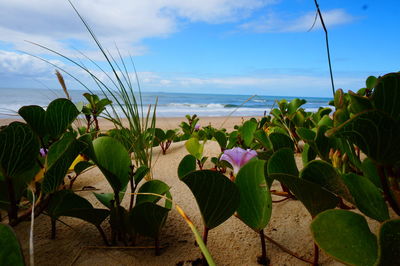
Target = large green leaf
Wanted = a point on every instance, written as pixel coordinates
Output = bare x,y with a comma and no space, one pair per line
217,196
151,186
263,139
59,158
308,154
67,203
294,105
106,198
326,176
113,161
283,162
247,130
35,116
389,243
369,170
59,115
148,218
19,148
345,236
255,199
315,198
386,95
221,138
279,141
195,148
375,133
10,251
187,165
367,197
306,134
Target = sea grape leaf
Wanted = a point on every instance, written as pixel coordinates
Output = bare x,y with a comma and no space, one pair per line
59,115
315,198
389,243
194,147
220,137
187,165
263,139
35,117
308,154
375,133
283,162
217,196
255,199
151,186
140,173
247,130
367,197
113,161
59,158
19,149
148,218
279,141
369,170
386,95
324,174
345,236
10,252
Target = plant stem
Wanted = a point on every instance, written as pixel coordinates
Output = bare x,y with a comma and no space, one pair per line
316,255
386,189
13,211
53,228
263,260
205,236
157,246
103,235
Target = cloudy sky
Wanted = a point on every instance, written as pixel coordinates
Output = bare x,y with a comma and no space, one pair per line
210,46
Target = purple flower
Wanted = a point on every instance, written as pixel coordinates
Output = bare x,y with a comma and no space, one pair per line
43,152
197,127
238,157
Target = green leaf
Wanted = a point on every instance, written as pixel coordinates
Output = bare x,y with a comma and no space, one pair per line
160,134
140,173
19,149
151,186
325,121
294,105
375,133
263,139
386,95
325,175
367,197
10,252
389,243
35,117
370,82
82,166
283,162
255,199
148,218
194,147
323,143
359,103
113,161
281,141
187,165
247,130
216,195
59,115
59,158
315,198
308,154
306,134
345,236
369,170
220,137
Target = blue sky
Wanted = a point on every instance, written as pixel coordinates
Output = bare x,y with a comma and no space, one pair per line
211,46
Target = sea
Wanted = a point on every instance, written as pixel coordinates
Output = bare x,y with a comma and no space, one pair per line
169,104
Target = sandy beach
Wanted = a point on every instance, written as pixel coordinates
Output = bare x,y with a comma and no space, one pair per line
232,243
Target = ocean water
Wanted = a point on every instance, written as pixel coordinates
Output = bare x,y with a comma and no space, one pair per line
169,104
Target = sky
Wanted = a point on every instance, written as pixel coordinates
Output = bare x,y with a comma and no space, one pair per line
262,47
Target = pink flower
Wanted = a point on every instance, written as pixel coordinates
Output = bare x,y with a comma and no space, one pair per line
43,152
237,157
197,127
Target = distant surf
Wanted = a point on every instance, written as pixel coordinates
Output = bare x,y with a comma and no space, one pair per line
169,104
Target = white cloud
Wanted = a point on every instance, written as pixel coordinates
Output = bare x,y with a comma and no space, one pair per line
54,24
274,22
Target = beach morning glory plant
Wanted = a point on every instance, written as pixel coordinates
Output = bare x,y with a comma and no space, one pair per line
237,157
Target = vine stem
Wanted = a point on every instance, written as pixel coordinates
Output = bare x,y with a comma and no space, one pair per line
386,190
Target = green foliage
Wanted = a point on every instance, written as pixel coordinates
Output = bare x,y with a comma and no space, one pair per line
255,199
389,243
10,252
113,160
187,165
195,148
345,236
216,195
247,132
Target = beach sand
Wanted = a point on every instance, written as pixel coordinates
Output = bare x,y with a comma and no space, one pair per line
231,243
